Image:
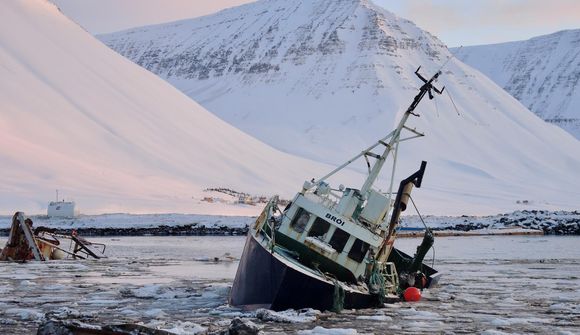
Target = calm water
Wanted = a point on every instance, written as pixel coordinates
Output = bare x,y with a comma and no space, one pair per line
491,285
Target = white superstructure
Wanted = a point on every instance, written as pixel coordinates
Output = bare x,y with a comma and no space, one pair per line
61,208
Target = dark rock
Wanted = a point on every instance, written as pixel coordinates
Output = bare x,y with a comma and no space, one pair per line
242,327
54,328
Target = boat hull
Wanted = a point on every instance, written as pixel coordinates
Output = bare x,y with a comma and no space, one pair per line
269,280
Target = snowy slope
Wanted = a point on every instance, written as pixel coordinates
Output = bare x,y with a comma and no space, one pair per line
324,79
543,73
77,117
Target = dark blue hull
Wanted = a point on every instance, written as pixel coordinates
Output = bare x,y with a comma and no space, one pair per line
266,280
269,280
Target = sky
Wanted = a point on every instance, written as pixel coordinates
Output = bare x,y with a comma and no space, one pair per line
455,22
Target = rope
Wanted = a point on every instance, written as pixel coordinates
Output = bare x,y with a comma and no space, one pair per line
376,282
338,297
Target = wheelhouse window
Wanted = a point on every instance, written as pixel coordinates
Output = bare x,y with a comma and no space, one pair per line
319,228
358,251
339,239
300,220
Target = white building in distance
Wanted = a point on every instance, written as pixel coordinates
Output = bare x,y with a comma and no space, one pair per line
61,209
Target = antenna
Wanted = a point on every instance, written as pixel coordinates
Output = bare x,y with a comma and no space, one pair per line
425,89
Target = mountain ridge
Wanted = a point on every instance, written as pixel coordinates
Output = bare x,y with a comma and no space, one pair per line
335,76
542,72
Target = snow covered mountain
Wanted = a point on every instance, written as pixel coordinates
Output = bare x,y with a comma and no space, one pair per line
77,117
543,73
324,79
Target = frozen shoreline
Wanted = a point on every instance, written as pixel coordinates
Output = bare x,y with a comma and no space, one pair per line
170,283
557,222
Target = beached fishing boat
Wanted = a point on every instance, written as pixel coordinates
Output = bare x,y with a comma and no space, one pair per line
41,244
333,248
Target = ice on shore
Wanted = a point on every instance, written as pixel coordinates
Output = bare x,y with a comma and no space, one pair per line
378,316
288,316
318,330
178,328
481,290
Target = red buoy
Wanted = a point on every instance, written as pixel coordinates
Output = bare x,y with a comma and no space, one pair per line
412,294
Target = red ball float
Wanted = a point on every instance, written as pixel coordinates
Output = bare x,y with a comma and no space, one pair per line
412,294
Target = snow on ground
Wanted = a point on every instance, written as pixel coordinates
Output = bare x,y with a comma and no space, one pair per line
558,222
80,118
134,221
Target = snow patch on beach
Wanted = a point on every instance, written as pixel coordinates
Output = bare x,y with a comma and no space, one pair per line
328,331
178,327
379,316
288,316
121,220
25,314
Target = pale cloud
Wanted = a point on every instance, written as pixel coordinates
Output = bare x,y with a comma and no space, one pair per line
104,16
463,22
455,22
532,13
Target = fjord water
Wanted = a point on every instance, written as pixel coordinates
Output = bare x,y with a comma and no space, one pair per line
494,284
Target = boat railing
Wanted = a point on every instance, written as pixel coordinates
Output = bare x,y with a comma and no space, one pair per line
265,223
329,200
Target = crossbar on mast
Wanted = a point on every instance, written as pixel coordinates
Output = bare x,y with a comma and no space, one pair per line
394,137
425,89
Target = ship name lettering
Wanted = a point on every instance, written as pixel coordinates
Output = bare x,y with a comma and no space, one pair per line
335,219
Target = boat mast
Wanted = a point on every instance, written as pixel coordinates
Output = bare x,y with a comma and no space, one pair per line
396,134
394,138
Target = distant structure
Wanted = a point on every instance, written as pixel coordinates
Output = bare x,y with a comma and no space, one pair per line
61,208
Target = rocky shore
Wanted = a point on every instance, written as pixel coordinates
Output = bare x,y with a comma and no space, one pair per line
184,230
550,222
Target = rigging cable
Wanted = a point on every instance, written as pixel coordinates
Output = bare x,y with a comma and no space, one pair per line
449,58
453,102
449,94
425,225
